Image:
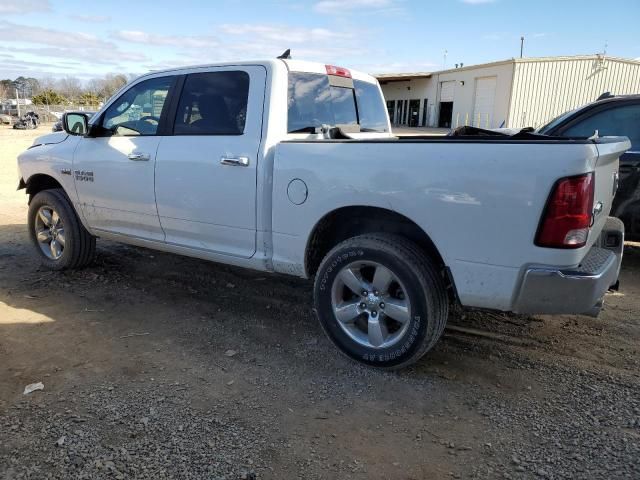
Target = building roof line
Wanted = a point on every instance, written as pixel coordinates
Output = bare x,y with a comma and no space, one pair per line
412,75
391,77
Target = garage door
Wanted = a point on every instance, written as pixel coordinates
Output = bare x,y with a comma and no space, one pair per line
446,91
484,100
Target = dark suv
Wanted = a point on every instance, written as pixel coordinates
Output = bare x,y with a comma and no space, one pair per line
611,115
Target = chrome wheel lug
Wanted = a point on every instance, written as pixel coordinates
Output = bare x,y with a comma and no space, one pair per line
363,305
365,293
381,305
374,313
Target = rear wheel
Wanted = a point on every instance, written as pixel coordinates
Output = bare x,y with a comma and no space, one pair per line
380,300
56,232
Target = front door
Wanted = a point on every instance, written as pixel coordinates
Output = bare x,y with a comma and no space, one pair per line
391,109
206,171
414,113
446,113
114,172
425,112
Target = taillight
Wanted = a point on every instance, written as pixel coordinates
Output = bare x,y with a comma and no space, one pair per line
567,217
337,71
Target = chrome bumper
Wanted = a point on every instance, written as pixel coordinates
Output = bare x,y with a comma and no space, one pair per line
578,290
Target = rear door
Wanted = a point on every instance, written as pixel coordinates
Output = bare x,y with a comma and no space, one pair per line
206,170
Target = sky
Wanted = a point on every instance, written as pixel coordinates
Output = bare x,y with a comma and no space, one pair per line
59,38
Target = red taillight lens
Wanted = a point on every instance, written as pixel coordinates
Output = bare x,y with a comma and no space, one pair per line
567,216
337,71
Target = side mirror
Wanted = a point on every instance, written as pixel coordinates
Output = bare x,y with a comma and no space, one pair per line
75,123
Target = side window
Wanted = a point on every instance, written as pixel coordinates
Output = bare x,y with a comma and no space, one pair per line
371,107
623,121
138,110
213,103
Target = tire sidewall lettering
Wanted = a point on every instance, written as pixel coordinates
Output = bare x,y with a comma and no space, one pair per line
417,331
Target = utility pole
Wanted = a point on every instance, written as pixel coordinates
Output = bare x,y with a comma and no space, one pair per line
18,102
444,60
521,45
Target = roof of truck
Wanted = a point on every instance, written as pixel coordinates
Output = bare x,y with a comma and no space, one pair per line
292,65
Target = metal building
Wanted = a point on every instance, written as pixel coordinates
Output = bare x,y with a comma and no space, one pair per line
515,93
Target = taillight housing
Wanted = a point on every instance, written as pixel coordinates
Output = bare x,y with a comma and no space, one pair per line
337,71
567,216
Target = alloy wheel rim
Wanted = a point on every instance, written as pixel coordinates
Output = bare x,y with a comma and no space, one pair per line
50,232
370,304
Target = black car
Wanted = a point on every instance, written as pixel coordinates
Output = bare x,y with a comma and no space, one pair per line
611,115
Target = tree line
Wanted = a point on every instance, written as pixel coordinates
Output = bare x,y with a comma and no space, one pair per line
61,91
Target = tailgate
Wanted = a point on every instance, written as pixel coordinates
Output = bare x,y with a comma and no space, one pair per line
606,177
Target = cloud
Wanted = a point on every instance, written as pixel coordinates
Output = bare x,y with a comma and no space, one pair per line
153,39
48,42
24,6
105,56
91,18
285,34
338,7
477,2
13,32
13,67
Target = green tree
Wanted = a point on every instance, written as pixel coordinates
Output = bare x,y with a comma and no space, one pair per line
89,98
48,97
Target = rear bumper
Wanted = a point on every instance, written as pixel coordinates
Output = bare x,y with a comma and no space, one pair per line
577,290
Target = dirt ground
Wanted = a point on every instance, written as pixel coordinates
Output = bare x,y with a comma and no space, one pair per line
159,366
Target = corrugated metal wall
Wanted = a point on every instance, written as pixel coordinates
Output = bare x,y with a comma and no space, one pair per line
543,89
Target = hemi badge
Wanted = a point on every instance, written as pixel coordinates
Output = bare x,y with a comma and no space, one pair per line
65,171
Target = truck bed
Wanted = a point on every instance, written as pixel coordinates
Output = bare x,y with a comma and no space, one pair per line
478,198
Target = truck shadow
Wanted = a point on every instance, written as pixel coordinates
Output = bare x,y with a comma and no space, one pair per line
202,304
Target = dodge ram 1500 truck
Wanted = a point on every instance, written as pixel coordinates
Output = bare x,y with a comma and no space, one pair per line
291,167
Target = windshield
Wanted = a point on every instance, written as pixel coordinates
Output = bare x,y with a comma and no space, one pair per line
314,102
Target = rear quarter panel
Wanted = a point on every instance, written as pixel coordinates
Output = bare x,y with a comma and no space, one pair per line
479,202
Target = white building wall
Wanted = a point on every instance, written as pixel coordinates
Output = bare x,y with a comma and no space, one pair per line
546,88
529,92
464,96
416,89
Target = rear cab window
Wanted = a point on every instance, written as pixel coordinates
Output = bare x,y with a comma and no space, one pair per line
316,99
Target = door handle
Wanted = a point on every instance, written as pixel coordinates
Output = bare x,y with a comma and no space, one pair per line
235,161
138,157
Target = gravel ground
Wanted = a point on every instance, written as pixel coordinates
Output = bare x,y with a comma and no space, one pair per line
157,366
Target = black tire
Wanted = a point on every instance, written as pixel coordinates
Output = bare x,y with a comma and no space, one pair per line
424,287
80,246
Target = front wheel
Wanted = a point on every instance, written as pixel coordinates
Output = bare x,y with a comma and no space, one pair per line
60,239
380,300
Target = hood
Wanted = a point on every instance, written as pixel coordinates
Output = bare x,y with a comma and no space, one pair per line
55,137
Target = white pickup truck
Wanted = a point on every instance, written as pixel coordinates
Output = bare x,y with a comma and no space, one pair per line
291,167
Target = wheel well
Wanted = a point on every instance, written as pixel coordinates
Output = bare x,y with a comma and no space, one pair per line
348,222
40,182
